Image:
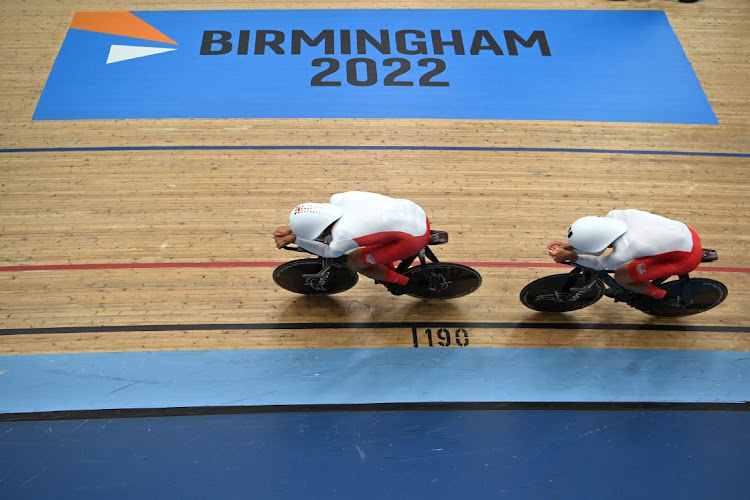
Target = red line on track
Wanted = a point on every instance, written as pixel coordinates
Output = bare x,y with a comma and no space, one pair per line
162,265
134,265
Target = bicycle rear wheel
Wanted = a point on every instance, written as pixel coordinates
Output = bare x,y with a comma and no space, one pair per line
553,293
694,296
290,276
442,280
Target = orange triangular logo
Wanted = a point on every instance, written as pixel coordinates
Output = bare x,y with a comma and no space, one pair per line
118,23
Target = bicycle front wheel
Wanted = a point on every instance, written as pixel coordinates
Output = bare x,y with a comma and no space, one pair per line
561,293
442,280
685,298
291,276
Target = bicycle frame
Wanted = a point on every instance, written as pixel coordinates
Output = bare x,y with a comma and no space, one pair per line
606,277
423,255
436,238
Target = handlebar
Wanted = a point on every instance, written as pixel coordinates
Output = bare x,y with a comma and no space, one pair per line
584,268
327,262
293,248
341,260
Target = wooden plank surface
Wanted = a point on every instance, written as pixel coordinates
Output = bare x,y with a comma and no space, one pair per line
219,206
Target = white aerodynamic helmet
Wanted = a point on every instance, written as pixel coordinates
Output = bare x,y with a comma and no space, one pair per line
594,234
310,219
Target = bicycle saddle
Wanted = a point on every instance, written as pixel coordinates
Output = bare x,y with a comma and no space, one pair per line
438,237
709,255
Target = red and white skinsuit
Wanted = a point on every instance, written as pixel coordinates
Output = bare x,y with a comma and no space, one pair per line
654,246
388,229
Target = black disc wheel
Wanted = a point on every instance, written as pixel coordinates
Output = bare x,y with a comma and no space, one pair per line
297,276
442,280
685,298
561,293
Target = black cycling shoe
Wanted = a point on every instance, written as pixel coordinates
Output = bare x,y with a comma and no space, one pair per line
395,288
622,296
639,300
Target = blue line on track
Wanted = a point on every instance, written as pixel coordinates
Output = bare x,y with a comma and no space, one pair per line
371,148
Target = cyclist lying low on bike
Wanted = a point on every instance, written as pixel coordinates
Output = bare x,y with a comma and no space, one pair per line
644,246
380,231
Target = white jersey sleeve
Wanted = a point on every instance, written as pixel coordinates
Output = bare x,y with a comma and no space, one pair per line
329,250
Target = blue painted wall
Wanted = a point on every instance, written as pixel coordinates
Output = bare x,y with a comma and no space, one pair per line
569,454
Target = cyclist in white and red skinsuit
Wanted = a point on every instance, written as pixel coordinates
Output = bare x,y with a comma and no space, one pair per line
377,229
644,246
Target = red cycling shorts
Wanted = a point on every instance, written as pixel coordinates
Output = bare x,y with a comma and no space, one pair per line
666,264
389,246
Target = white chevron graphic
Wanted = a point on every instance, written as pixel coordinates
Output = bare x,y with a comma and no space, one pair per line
119,53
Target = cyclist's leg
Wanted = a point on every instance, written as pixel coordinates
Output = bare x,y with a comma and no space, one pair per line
624,277
378,272
638,274
375,261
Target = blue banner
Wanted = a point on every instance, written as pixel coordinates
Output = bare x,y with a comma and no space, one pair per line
607,66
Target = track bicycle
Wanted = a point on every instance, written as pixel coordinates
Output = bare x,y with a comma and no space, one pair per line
428,280
581,287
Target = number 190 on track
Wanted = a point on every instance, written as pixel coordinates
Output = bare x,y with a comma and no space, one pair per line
441,337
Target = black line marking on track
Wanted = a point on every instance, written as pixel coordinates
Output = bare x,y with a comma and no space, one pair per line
369,407
340,326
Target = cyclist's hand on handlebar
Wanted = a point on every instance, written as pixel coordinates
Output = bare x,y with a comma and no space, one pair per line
559,244
284,240
283,236
560,255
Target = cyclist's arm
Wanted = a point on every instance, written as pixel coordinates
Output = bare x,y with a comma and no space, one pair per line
610,261
332,250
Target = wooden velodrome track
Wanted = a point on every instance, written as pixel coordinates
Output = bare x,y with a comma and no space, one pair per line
101,215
